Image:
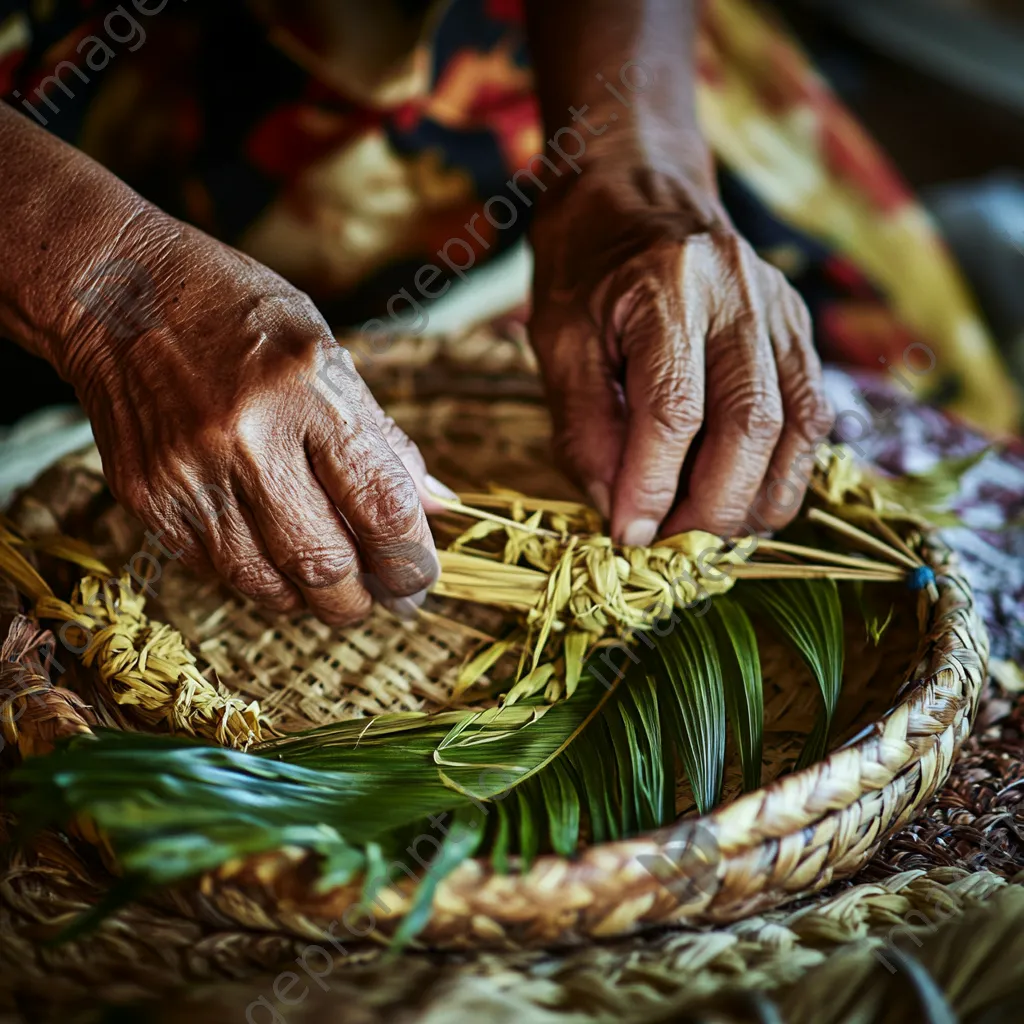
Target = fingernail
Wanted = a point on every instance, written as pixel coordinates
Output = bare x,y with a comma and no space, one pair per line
438,489
406,607
599,496
639,533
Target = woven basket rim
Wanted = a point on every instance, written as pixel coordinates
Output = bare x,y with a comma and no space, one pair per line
837,811
895,765
786,839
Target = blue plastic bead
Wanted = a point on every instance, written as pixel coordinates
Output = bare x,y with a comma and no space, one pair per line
921,577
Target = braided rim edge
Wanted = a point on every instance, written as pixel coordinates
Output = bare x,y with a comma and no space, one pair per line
787,839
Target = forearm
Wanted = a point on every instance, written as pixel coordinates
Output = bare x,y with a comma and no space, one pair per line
624,70
61,216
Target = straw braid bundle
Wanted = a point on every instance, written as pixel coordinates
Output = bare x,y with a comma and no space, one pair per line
575,582
147,665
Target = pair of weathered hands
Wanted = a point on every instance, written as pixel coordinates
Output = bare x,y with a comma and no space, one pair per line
662,339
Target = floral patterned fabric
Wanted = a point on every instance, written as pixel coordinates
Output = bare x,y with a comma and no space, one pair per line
348,174
884,425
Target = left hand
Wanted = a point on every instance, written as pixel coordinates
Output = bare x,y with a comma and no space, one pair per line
664,339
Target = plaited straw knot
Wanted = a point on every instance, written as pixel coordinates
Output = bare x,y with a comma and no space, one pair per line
596,587
568,581
148,665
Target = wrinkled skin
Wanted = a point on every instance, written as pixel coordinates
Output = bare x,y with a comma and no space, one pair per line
215,433
680,370
664,339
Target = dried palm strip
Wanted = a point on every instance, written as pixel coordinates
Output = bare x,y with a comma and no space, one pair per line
16,568
861,537
546,562
787,571
853,561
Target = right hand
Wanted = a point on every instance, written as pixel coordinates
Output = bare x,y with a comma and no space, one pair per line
217,432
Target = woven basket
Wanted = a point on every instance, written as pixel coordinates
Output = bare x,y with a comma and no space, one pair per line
475,409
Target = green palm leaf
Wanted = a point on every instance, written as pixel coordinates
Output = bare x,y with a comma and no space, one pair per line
589,760
809,614
601,760
461,842
692,696
741,679
562,803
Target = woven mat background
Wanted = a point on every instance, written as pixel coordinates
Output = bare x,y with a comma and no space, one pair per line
959,856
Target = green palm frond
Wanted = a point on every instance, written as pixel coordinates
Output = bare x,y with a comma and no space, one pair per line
741,678
695,704
810,616
514,779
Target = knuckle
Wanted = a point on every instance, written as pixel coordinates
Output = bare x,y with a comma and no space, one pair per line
655,491
758,413
724,521
255,578
777,279
813,414
400,442
247,428
320,568
674,408
804,327
339,357
332,372
820,417
392,508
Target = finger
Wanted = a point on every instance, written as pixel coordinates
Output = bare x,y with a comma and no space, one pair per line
346,390
239,555
181,543
743,424
664,348
588,409
807,411
180,514
428,487
308,542
378,499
